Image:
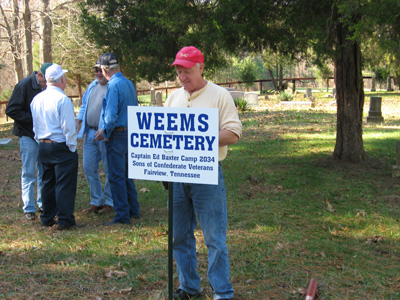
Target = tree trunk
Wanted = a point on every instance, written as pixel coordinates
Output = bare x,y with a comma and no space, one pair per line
13,38
271,74
350,98
28,38
45,54
389,84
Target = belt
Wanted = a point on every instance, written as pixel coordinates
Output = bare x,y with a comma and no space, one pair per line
120,128
94,128
48,141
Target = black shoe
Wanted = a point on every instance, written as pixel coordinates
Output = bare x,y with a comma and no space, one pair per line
180,294
50,223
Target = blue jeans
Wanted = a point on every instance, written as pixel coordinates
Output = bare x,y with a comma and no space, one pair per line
93,153
123,189
208,203
29,151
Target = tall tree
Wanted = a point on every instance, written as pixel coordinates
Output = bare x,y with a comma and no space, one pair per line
28,38
349,92
13,36
45,32
148,34
70,46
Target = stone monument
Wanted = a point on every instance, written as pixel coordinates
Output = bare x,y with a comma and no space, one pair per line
375,113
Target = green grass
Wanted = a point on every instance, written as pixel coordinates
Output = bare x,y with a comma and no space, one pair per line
294,214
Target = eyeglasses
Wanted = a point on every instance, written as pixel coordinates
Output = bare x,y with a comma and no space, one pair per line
97,70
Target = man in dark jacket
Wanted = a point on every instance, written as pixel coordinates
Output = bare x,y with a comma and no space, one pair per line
18,108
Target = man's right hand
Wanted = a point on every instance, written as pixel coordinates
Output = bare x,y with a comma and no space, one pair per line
78,125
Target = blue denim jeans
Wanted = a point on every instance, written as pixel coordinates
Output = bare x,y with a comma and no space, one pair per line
93,153
208,203
31,174
123,189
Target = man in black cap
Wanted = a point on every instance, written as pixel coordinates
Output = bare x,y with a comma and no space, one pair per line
120,94
18,108
88,121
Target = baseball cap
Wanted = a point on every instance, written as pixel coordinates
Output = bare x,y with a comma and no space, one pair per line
187,57
108,59
44,67
97,65
54,72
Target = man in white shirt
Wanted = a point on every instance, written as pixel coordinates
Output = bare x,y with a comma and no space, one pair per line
54,127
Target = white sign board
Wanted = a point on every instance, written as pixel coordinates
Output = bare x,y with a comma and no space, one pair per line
174,144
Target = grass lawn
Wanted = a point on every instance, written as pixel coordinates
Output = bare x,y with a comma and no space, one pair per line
294,214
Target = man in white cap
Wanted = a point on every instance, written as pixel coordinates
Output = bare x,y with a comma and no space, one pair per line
54,127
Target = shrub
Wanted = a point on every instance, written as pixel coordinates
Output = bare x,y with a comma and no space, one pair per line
241,105
285,96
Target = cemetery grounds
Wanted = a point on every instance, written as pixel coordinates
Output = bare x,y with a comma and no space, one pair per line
294,214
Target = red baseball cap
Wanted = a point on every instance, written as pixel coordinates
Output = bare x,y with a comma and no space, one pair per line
187,57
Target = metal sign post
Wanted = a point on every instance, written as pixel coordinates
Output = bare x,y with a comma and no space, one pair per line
170,239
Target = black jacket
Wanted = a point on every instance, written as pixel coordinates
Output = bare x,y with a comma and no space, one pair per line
18,107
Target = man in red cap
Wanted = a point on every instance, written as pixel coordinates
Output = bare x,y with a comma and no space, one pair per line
204,201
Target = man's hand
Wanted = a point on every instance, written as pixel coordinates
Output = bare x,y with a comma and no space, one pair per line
78,125
99,135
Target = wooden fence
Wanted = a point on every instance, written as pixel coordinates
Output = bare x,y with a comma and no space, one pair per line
299,80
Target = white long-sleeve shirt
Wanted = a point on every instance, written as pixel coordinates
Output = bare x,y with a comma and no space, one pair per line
54,118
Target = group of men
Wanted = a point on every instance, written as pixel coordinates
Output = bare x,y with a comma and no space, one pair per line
44,121
102,118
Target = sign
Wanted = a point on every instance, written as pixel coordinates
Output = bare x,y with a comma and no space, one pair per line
175,144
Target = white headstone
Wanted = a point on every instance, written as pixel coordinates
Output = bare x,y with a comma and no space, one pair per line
152,97
159,99
237,94
251,98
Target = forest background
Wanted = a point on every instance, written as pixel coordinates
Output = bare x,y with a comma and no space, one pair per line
145,35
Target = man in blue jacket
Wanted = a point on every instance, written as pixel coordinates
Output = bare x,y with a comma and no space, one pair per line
94,151
120,94
18,108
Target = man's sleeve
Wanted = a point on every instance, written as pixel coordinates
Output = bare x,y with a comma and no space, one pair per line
110,112
16,104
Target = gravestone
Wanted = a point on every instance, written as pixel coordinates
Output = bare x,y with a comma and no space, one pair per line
373,84
334,93
375,113
251,98
389,84
159,99
237,94
396,168
309,92
152,97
